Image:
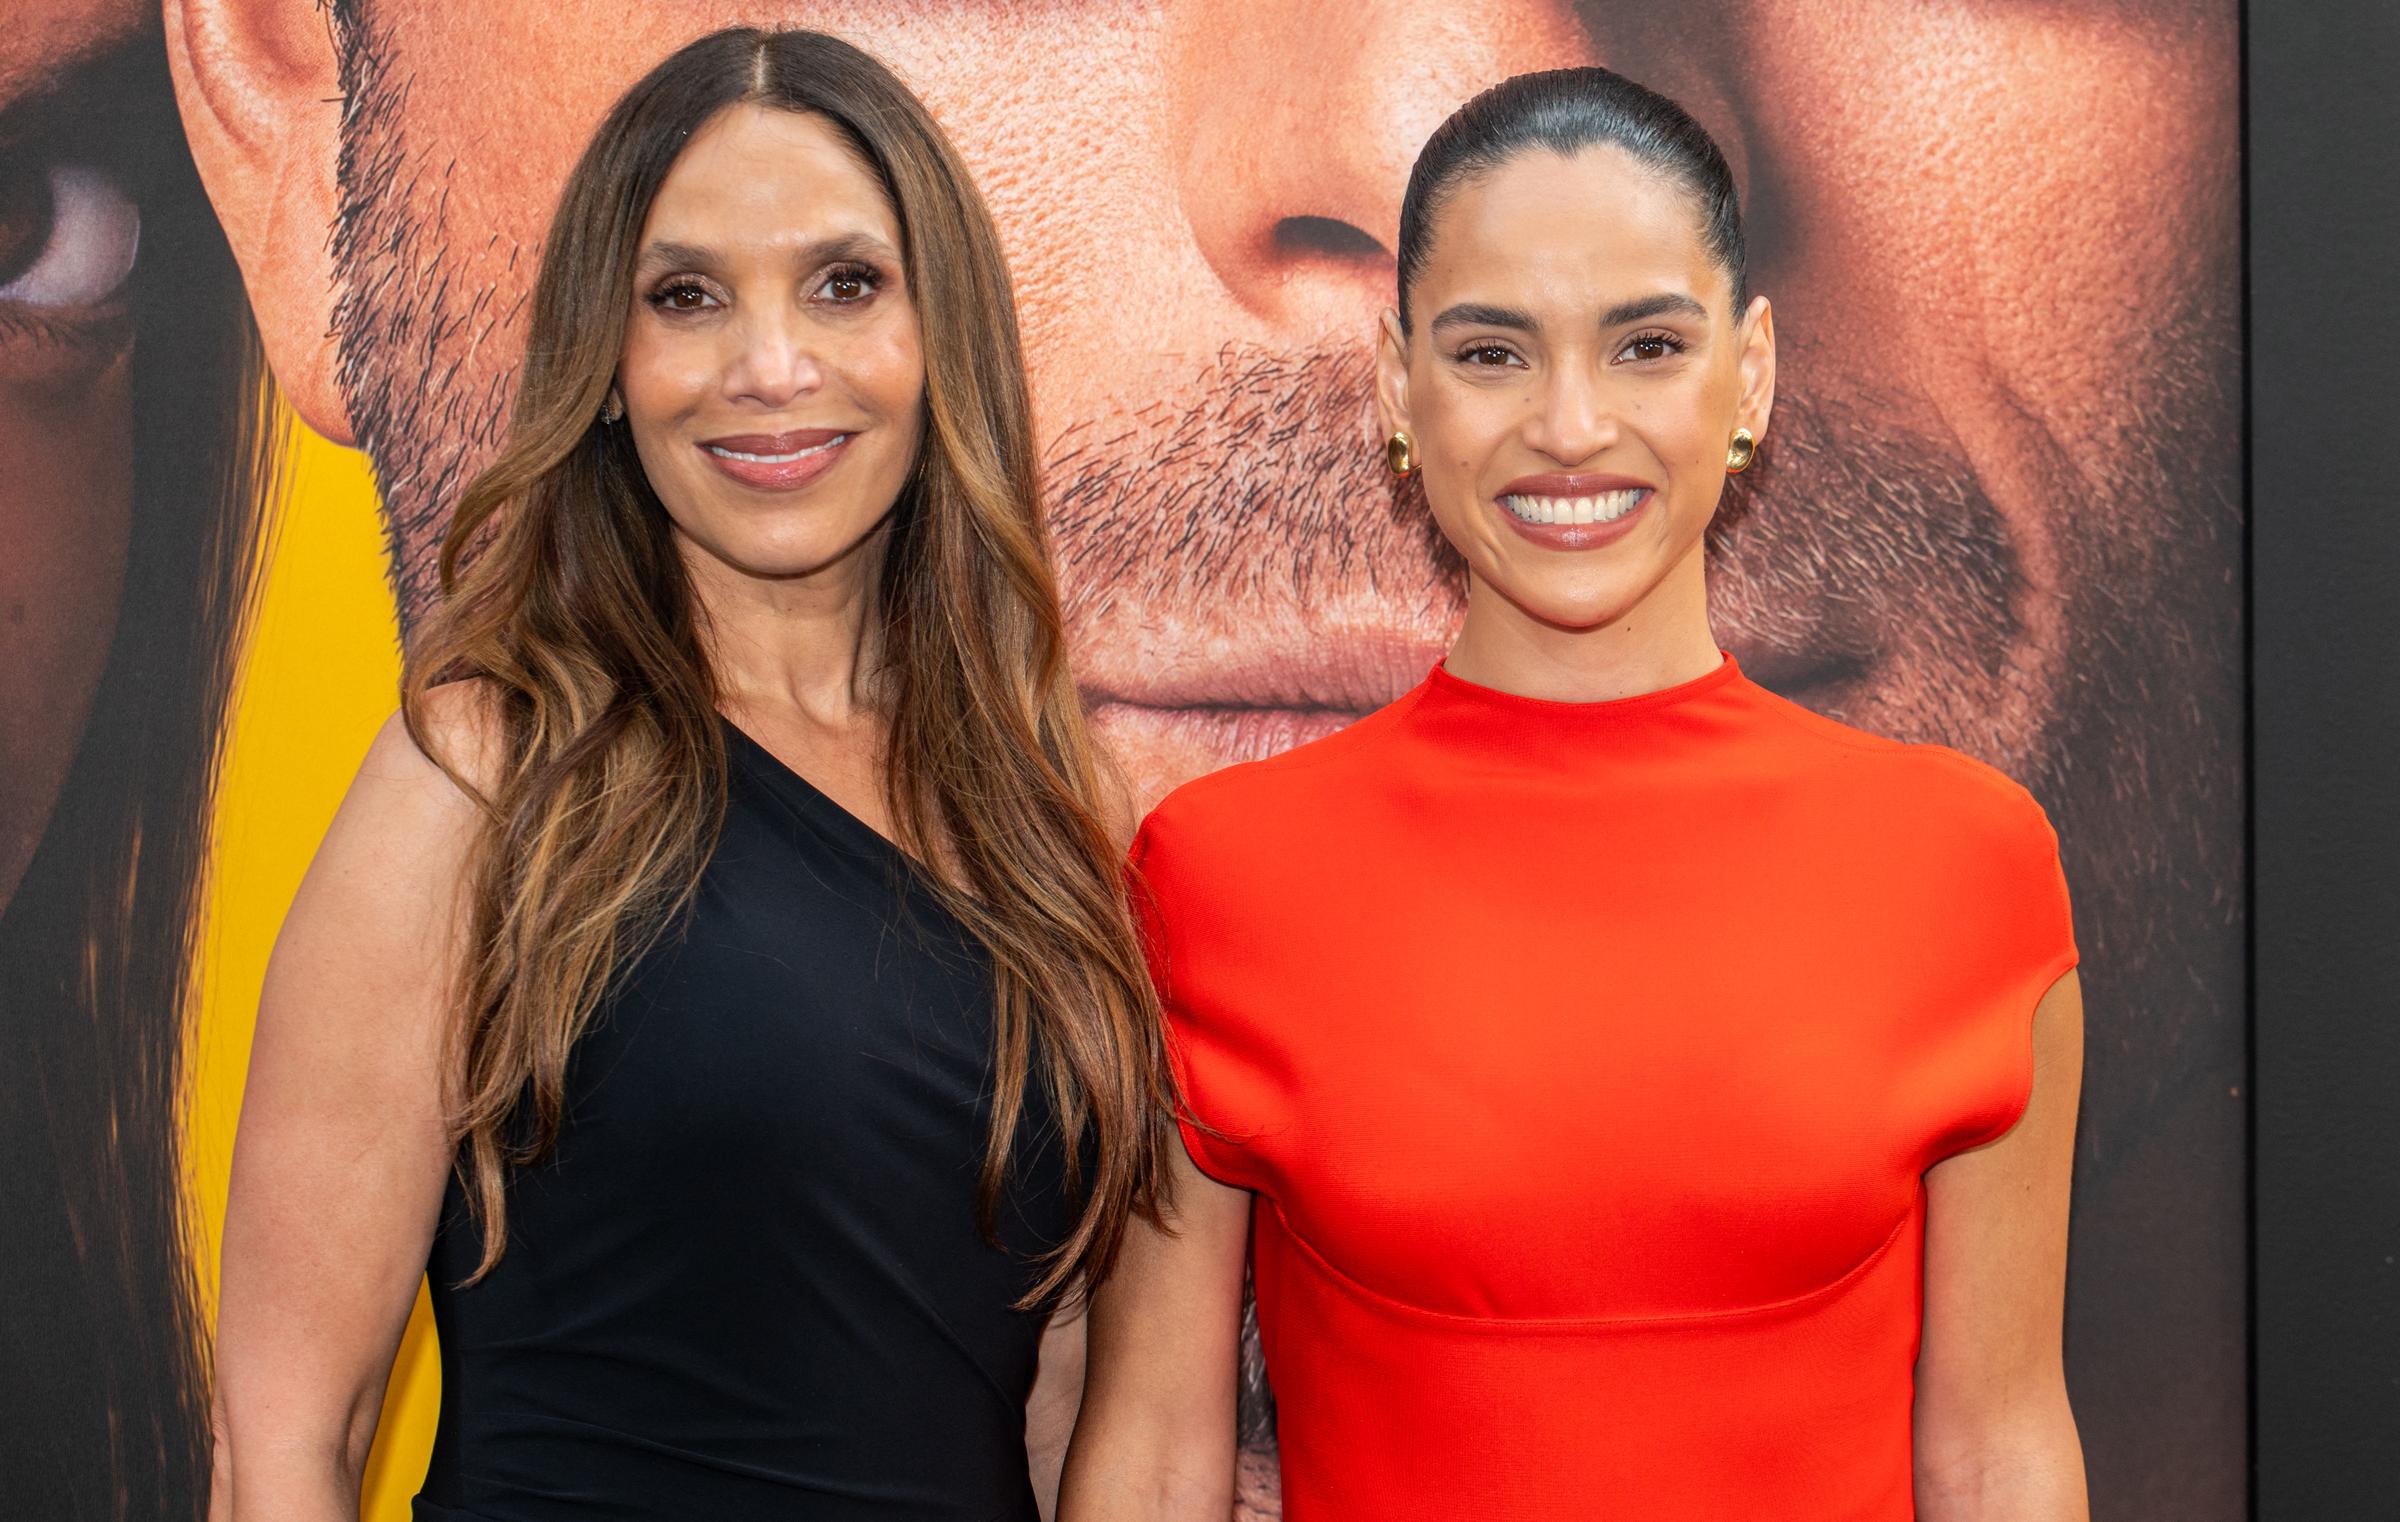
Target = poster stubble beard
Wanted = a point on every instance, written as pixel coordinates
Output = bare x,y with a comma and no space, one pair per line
1852,570
1845,571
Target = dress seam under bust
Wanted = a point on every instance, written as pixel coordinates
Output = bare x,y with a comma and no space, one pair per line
1546,1325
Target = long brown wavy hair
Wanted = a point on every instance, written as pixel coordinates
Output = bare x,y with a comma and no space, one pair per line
605,787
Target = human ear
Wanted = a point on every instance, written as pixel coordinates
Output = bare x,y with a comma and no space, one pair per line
1391,376
1756,365
259,90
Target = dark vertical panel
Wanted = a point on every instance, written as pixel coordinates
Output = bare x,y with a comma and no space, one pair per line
2324,172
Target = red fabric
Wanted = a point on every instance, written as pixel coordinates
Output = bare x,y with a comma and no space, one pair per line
1586,1060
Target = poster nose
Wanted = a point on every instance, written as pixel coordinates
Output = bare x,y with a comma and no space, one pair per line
1295,127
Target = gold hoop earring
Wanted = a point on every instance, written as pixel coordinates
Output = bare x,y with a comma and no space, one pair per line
1400,453
1741,451
613,409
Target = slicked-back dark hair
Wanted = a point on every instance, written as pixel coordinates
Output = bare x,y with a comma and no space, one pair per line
1565,111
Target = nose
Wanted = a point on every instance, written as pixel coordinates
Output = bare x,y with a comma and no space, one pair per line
1297,124
773,355
1574,417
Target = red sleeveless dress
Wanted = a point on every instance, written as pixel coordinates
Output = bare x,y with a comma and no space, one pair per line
1586,1059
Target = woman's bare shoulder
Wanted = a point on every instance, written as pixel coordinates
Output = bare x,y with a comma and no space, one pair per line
452,745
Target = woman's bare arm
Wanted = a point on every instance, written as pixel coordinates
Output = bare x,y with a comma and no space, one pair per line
1155,1442
340,1159
1050,1410
1995,1440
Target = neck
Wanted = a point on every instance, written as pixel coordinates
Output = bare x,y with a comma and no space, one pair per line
805,642
1662,641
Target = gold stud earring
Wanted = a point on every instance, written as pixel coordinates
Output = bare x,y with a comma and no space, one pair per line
1741,451
612,409
1400,453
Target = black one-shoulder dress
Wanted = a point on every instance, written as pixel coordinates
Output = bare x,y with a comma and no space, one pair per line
750,1283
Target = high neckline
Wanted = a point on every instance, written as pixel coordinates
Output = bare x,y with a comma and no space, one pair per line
1451,691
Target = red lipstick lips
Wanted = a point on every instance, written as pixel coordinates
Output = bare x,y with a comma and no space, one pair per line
777,461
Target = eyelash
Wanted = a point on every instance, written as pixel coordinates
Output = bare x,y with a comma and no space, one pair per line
862,275
99,331
1673,346
664,297
859,274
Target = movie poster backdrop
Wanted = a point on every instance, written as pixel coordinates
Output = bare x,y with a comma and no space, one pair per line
1999,508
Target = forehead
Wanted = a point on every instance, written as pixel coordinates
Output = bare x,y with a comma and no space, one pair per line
753,174
1579,230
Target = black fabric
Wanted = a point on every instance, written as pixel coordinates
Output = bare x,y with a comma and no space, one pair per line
750,1283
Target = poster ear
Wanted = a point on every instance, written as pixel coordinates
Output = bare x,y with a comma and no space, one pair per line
259,90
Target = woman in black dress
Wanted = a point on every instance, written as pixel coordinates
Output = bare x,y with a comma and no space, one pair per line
719,972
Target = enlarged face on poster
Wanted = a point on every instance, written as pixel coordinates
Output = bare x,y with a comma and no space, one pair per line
130,486
1997,507
69,228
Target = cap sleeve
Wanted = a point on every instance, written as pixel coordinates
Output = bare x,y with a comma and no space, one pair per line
1203,1047
2019,941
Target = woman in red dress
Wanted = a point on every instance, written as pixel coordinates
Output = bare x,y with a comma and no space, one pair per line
1637,1096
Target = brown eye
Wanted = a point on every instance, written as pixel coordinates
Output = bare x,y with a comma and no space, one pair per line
844,286
682,296
1652,346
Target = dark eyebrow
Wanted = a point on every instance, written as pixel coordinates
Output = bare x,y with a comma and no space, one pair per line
1642,308
1476,314
667,256
862,247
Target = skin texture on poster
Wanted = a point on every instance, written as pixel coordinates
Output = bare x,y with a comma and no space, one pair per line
131,446
1998,510
69,233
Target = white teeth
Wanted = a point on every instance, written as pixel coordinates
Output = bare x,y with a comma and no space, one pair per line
776,459
1605,507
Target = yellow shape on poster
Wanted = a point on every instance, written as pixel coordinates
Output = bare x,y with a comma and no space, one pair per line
321,672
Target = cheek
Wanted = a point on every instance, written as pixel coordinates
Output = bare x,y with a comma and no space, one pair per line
664,378
1460,429
1462,433
886,371
663,373
882,373
1688,441
1686,424
66,490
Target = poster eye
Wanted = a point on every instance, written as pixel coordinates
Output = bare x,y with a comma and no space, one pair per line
67,237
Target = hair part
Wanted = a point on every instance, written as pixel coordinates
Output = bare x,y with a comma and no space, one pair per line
1567,111
565,595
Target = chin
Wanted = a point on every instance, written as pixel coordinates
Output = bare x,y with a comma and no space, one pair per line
782,553
1570,609
786,565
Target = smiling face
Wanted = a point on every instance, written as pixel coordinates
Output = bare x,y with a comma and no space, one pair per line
69,228
772,375
1572,379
